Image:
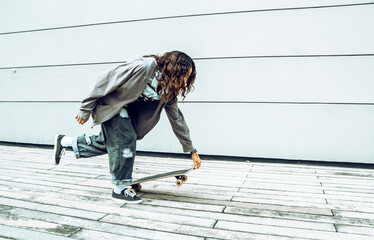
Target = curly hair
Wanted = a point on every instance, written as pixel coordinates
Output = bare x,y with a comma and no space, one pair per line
175,67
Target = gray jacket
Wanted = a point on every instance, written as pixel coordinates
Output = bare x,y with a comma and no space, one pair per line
120,87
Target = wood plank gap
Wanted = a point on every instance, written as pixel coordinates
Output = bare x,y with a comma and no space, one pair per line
99,219
214,226
79,229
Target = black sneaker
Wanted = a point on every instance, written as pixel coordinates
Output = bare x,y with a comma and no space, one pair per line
128,196
58,150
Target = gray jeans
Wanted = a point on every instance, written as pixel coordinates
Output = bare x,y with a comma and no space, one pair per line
118,139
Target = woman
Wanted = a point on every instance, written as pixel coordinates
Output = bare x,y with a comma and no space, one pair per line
127,101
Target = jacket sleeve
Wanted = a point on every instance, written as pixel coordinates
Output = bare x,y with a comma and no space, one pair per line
179,126
107,83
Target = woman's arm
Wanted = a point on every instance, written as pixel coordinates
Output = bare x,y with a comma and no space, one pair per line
107,83
181,131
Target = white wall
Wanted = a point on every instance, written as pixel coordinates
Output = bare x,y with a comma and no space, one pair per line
276,79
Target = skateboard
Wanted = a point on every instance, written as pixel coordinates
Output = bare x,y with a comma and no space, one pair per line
180,175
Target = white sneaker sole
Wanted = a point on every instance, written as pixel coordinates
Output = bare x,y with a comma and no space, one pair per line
126,201
55,149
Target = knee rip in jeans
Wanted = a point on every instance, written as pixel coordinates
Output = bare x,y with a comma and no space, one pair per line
124,113
127,153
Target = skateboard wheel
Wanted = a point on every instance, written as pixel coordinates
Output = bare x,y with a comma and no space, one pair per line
184,178
179,182
137,187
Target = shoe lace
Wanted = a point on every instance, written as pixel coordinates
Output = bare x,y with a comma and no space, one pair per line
62,152
130,193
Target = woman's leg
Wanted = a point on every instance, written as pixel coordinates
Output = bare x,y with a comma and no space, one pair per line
83,146
120,141
89,146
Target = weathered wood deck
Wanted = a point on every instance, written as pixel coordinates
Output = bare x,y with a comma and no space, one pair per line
222,200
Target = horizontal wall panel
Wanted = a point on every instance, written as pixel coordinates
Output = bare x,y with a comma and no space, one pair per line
308,132
70,83
325,31
328,80
40,122
350,79
61,13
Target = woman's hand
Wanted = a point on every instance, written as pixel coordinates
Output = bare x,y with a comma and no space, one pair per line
196,160
80,120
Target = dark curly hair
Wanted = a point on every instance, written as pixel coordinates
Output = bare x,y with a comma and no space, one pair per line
175,67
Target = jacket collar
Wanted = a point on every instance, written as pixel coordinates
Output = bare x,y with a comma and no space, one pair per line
150,64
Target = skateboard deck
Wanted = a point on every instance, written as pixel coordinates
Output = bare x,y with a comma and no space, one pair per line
180,175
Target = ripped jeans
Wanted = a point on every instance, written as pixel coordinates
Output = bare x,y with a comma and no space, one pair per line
118,139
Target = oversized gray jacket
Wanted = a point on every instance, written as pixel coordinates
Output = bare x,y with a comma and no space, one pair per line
120,87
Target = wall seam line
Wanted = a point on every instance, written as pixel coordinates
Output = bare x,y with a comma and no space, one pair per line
187,16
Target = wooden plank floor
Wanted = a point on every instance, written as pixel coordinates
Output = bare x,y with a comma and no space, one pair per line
221,200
